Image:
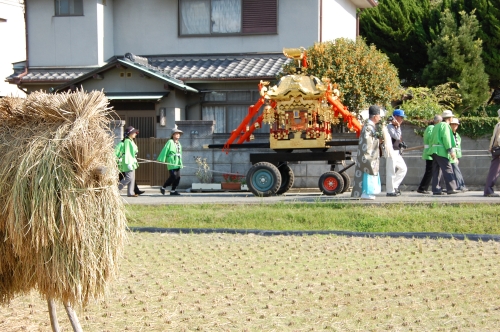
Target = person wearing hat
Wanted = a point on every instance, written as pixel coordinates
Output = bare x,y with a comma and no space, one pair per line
127,164
458,150
494,171
427,178
118,154
171,154
395,166
442,149
368,155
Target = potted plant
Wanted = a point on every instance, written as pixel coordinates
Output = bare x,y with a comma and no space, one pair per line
232,181
204,174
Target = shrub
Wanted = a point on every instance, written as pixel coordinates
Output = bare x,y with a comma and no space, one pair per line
364,75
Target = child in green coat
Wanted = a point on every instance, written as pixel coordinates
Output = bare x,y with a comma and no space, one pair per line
127,162
171,154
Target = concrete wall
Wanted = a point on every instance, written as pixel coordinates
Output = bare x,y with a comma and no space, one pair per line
338,18
151,27
474,163
63,40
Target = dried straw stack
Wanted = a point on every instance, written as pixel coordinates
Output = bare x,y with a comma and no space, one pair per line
62,222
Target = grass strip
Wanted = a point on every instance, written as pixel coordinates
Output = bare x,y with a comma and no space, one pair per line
449,218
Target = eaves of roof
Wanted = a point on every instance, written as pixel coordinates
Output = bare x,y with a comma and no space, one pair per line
158,74
175,70
44,75
365,3
136,95
170,80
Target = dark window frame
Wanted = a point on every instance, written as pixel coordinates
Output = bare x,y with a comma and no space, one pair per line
57,9
254,20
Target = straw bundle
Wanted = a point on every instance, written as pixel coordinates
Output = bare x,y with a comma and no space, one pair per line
62,221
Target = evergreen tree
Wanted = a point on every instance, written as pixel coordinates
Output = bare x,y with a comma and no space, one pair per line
364,75
401,29
488,14
455,56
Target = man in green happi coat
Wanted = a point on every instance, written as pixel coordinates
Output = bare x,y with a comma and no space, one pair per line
442,149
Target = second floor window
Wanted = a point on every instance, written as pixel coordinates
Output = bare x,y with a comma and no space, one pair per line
213,17
69,7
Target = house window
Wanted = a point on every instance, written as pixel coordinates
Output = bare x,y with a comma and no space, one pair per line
69,7
220,17
228,109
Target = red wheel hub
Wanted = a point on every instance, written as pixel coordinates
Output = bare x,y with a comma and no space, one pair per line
330,183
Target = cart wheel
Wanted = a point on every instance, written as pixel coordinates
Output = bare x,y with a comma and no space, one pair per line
347,181
287,179
331,183
263,179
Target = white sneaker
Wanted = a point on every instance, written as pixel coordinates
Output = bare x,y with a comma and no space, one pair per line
365,196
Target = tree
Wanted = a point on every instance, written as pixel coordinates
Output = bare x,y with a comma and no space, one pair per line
364,75
488,14
401,29
455,56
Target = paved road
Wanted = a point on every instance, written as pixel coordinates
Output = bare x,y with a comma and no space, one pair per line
153,197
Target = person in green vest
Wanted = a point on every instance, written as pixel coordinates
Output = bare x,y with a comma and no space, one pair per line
458,150
171,154
128,162
118,154
427,178
442,150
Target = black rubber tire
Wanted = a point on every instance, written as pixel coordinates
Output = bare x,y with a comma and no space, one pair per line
331,183
347,181
287,179
263,179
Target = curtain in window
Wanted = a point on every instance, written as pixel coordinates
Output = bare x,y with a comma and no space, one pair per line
239,96
235,114
195,16
215,96
217,113
69,7
226,16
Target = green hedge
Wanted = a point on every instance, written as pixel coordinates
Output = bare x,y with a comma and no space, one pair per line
472,127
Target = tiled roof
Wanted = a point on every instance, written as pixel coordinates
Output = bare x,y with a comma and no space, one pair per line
220,67
180,67
51,74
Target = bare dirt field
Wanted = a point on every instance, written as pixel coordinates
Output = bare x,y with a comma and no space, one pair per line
217,282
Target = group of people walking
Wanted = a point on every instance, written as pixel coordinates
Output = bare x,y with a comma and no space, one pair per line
441,152
126,155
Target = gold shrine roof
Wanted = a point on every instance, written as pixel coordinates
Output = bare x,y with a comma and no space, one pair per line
309,87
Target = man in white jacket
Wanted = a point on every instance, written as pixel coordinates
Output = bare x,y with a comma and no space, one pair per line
395,164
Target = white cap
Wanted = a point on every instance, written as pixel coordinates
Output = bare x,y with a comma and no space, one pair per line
447,114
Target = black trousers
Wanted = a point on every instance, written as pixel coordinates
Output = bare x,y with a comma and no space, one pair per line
174,179
493,174
442,166
427,178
